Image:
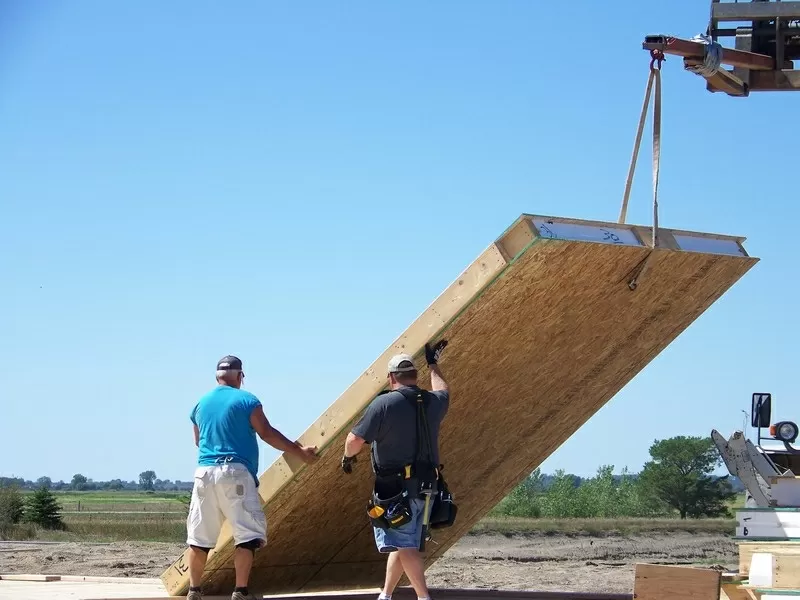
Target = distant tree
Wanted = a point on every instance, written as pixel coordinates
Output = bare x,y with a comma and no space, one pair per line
679,475
115,484
17,482
11,505
44,482
43,509
78,482
562,499
523,500
147,480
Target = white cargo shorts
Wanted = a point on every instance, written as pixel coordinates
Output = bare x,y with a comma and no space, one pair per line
225,491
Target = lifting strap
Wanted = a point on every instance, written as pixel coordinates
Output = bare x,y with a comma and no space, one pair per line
657,57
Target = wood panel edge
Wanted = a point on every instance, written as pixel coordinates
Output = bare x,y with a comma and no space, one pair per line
631,226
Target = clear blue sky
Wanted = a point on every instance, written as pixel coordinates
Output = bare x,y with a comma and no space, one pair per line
183,180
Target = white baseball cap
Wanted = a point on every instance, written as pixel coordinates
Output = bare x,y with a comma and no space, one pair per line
401,363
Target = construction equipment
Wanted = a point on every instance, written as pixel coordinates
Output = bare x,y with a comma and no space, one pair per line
767,473
767,40
768,527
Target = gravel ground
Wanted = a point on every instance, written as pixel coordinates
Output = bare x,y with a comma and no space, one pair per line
522,562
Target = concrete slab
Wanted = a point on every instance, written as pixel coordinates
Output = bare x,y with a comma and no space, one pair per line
16,586
77,588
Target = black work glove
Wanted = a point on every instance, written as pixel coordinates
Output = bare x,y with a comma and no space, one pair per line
347,463
432,353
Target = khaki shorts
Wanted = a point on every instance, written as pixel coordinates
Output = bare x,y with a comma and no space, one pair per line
225,492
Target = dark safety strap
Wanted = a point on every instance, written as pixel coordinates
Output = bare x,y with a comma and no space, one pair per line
423,431
424,446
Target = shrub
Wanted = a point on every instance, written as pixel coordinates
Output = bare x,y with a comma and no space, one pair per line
11,509
43,509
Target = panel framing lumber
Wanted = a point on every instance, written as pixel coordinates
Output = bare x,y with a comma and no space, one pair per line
543,331
660,582
777,523
747,549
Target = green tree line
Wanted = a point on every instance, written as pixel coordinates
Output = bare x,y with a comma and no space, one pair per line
148,481
678,481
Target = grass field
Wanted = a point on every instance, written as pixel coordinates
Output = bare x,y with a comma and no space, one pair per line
137,516
163,502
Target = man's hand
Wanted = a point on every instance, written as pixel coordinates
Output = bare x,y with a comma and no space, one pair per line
432,353
347,463
308,454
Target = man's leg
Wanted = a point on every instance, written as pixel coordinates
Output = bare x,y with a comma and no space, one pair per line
403,543
197,564
203,525
394,571
413,565
240,502
243,562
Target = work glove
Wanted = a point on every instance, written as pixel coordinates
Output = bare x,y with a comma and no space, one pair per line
347,463
432,353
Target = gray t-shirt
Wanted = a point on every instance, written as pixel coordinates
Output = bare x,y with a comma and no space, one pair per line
390,425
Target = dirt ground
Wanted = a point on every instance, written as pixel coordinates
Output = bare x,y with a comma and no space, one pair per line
530,562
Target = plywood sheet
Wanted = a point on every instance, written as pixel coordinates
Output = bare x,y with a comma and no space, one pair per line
543,331
660,582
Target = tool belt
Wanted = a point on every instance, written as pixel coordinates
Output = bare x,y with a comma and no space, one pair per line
390,503
444,509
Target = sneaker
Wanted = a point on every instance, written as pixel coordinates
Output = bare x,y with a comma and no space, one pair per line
194,595
241,596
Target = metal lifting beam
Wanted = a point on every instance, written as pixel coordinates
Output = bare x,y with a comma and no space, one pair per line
690,49
767,40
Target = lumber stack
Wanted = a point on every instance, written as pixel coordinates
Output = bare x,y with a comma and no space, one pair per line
544,329
769,551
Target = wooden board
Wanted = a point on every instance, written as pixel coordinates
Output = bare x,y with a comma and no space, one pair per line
733,591
780,523
29,577
660,582
747,549
543,331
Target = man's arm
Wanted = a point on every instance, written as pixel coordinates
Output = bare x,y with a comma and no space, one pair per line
193,419
364,432
277,440
438,384
353,444
432,354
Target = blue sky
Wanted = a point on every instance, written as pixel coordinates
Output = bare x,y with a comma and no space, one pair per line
183,180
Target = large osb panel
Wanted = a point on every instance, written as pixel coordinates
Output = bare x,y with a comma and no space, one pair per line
540,349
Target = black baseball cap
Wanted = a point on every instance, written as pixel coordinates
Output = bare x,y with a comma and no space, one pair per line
229,363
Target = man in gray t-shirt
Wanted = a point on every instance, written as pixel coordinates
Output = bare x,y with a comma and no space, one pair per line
390,425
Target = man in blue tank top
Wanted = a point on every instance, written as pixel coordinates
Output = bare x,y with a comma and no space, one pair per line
226,421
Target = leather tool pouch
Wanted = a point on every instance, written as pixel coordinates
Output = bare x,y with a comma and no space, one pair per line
444,510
